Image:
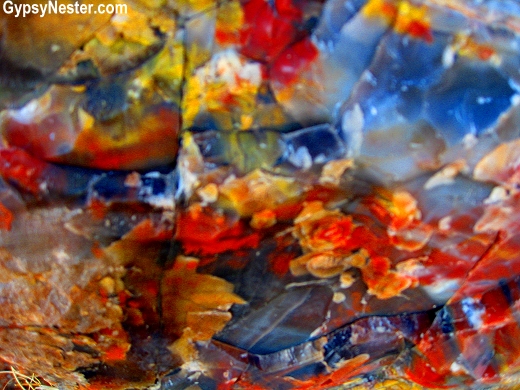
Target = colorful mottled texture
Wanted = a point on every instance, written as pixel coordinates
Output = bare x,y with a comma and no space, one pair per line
289,194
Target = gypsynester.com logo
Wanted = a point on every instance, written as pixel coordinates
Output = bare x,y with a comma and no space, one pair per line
22,10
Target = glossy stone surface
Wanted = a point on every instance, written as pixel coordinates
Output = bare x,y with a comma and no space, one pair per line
262,194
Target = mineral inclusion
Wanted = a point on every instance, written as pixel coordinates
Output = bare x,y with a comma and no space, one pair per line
282,194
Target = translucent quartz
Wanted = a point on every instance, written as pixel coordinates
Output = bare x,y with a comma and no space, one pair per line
262,194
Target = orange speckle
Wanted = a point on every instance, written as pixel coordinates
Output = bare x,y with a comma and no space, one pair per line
389,286
420,30
485,52
149,141
263,219
104,295
6,218
195,306
319,229
147,231
413,20
21,168
134,304
378,266
389,10
186,263
288,211
380,10
115,352
323,193
421,372
280,263
469,47
230,17
396,209
98,208
204,231
135,317
228,385
97,251
123,297
348,369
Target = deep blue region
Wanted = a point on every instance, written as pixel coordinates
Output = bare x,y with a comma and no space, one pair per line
319,140
506,291
78,180
402,61
204,121
408,324
401,72
445,321
110,185
339,340
105,100
156,184
468,99
309,371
